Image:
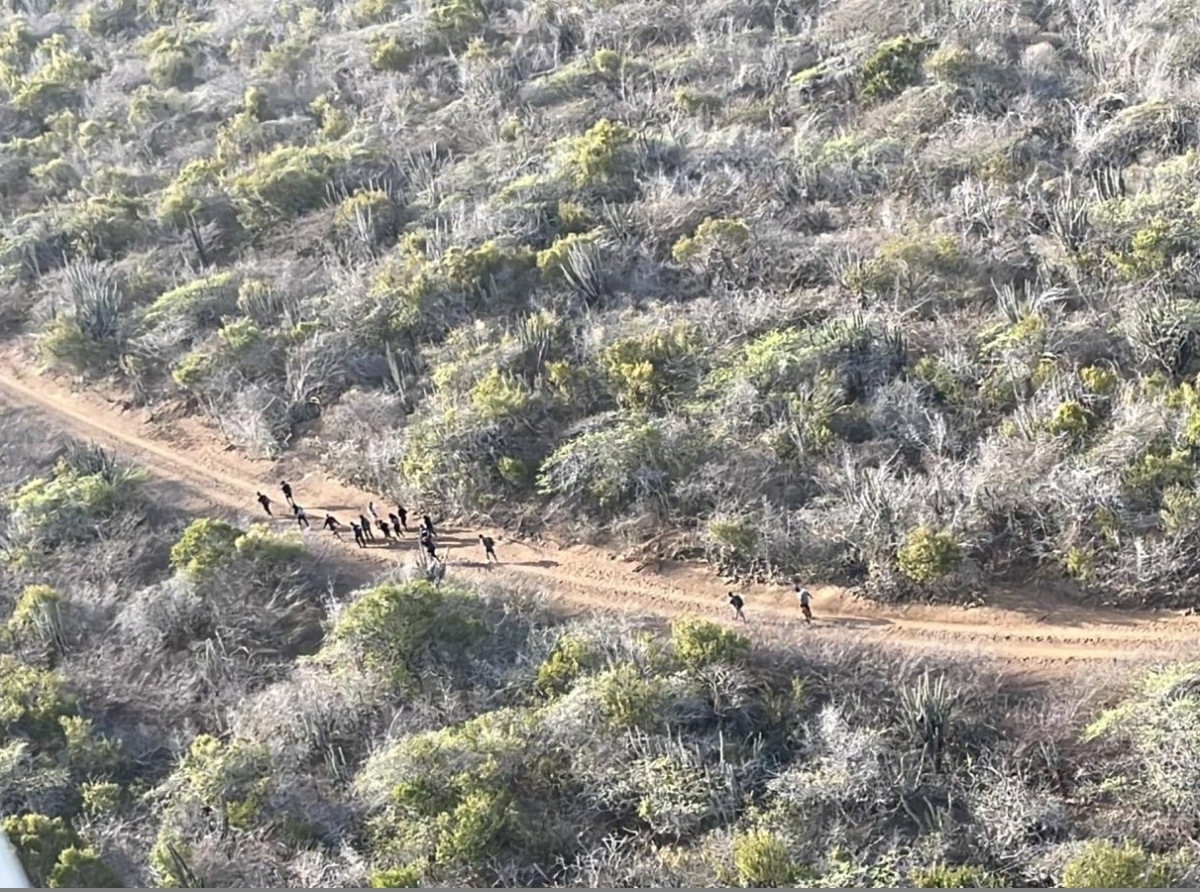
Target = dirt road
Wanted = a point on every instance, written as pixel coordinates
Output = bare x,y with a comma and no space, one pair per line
1029,629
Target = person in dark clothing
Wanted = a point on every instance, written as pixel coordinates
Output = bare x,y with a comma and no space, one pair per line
265,502
383,525
358,535
428,521
371,508
396,525
489,548
736,602
429,543
331,523
366,527
301,517
402,513
287,491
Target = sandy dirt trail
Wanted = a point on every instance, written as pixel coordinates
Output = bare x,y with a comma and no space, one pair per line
1038,631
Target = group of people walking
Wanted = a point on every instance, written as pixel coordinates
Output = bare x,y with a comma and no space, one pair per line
803,595
393,526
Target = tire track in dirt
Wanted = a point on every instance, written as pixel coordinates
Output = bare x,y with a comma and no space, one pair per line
592,579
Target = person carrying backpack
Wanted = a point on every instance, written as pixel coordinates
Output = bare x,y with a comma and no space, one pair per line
358,535
301,517
265,502
489,548
331,523
366,527
396,525
287,491
736,602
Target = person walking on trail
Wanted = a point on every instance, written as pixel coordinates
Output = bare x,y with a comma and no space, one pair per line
366,527
396,525
428,521
805,598
287,492
265,502
332,523
489,548
383,525
402,513
358,535
301,517
371,508
736,602
429,543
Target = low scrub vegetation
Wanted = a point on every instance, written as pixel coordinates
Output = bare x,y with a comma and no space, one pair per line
198,702
894,295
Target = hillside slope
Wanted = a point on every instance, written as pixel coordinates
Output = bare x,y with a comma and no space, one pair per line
901,297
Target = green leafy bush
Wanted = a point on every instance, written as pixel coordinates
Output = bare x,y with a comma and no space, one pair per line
32,701
370,215
231,778
53,856
67,505
1106,865
205,545
762,861
392,53
699,642
711,236
928,554
570,659
393,626
602,158
893,67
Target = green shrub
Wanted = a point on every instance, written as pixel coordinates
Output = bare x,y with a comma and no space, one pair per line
391,53
407,877
457,21
56,83
201,302
286,183
762,861
1158,468
554,261
1106,865
68,505
82,868
393,626
699,642
893,67
232,779
193,370
650,370
172,68
570,659
33,701
204,547
630,699
105,227
39,841
1080,563
601,157
335,122
100,797
928,554
1071,420
370,215
711,236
